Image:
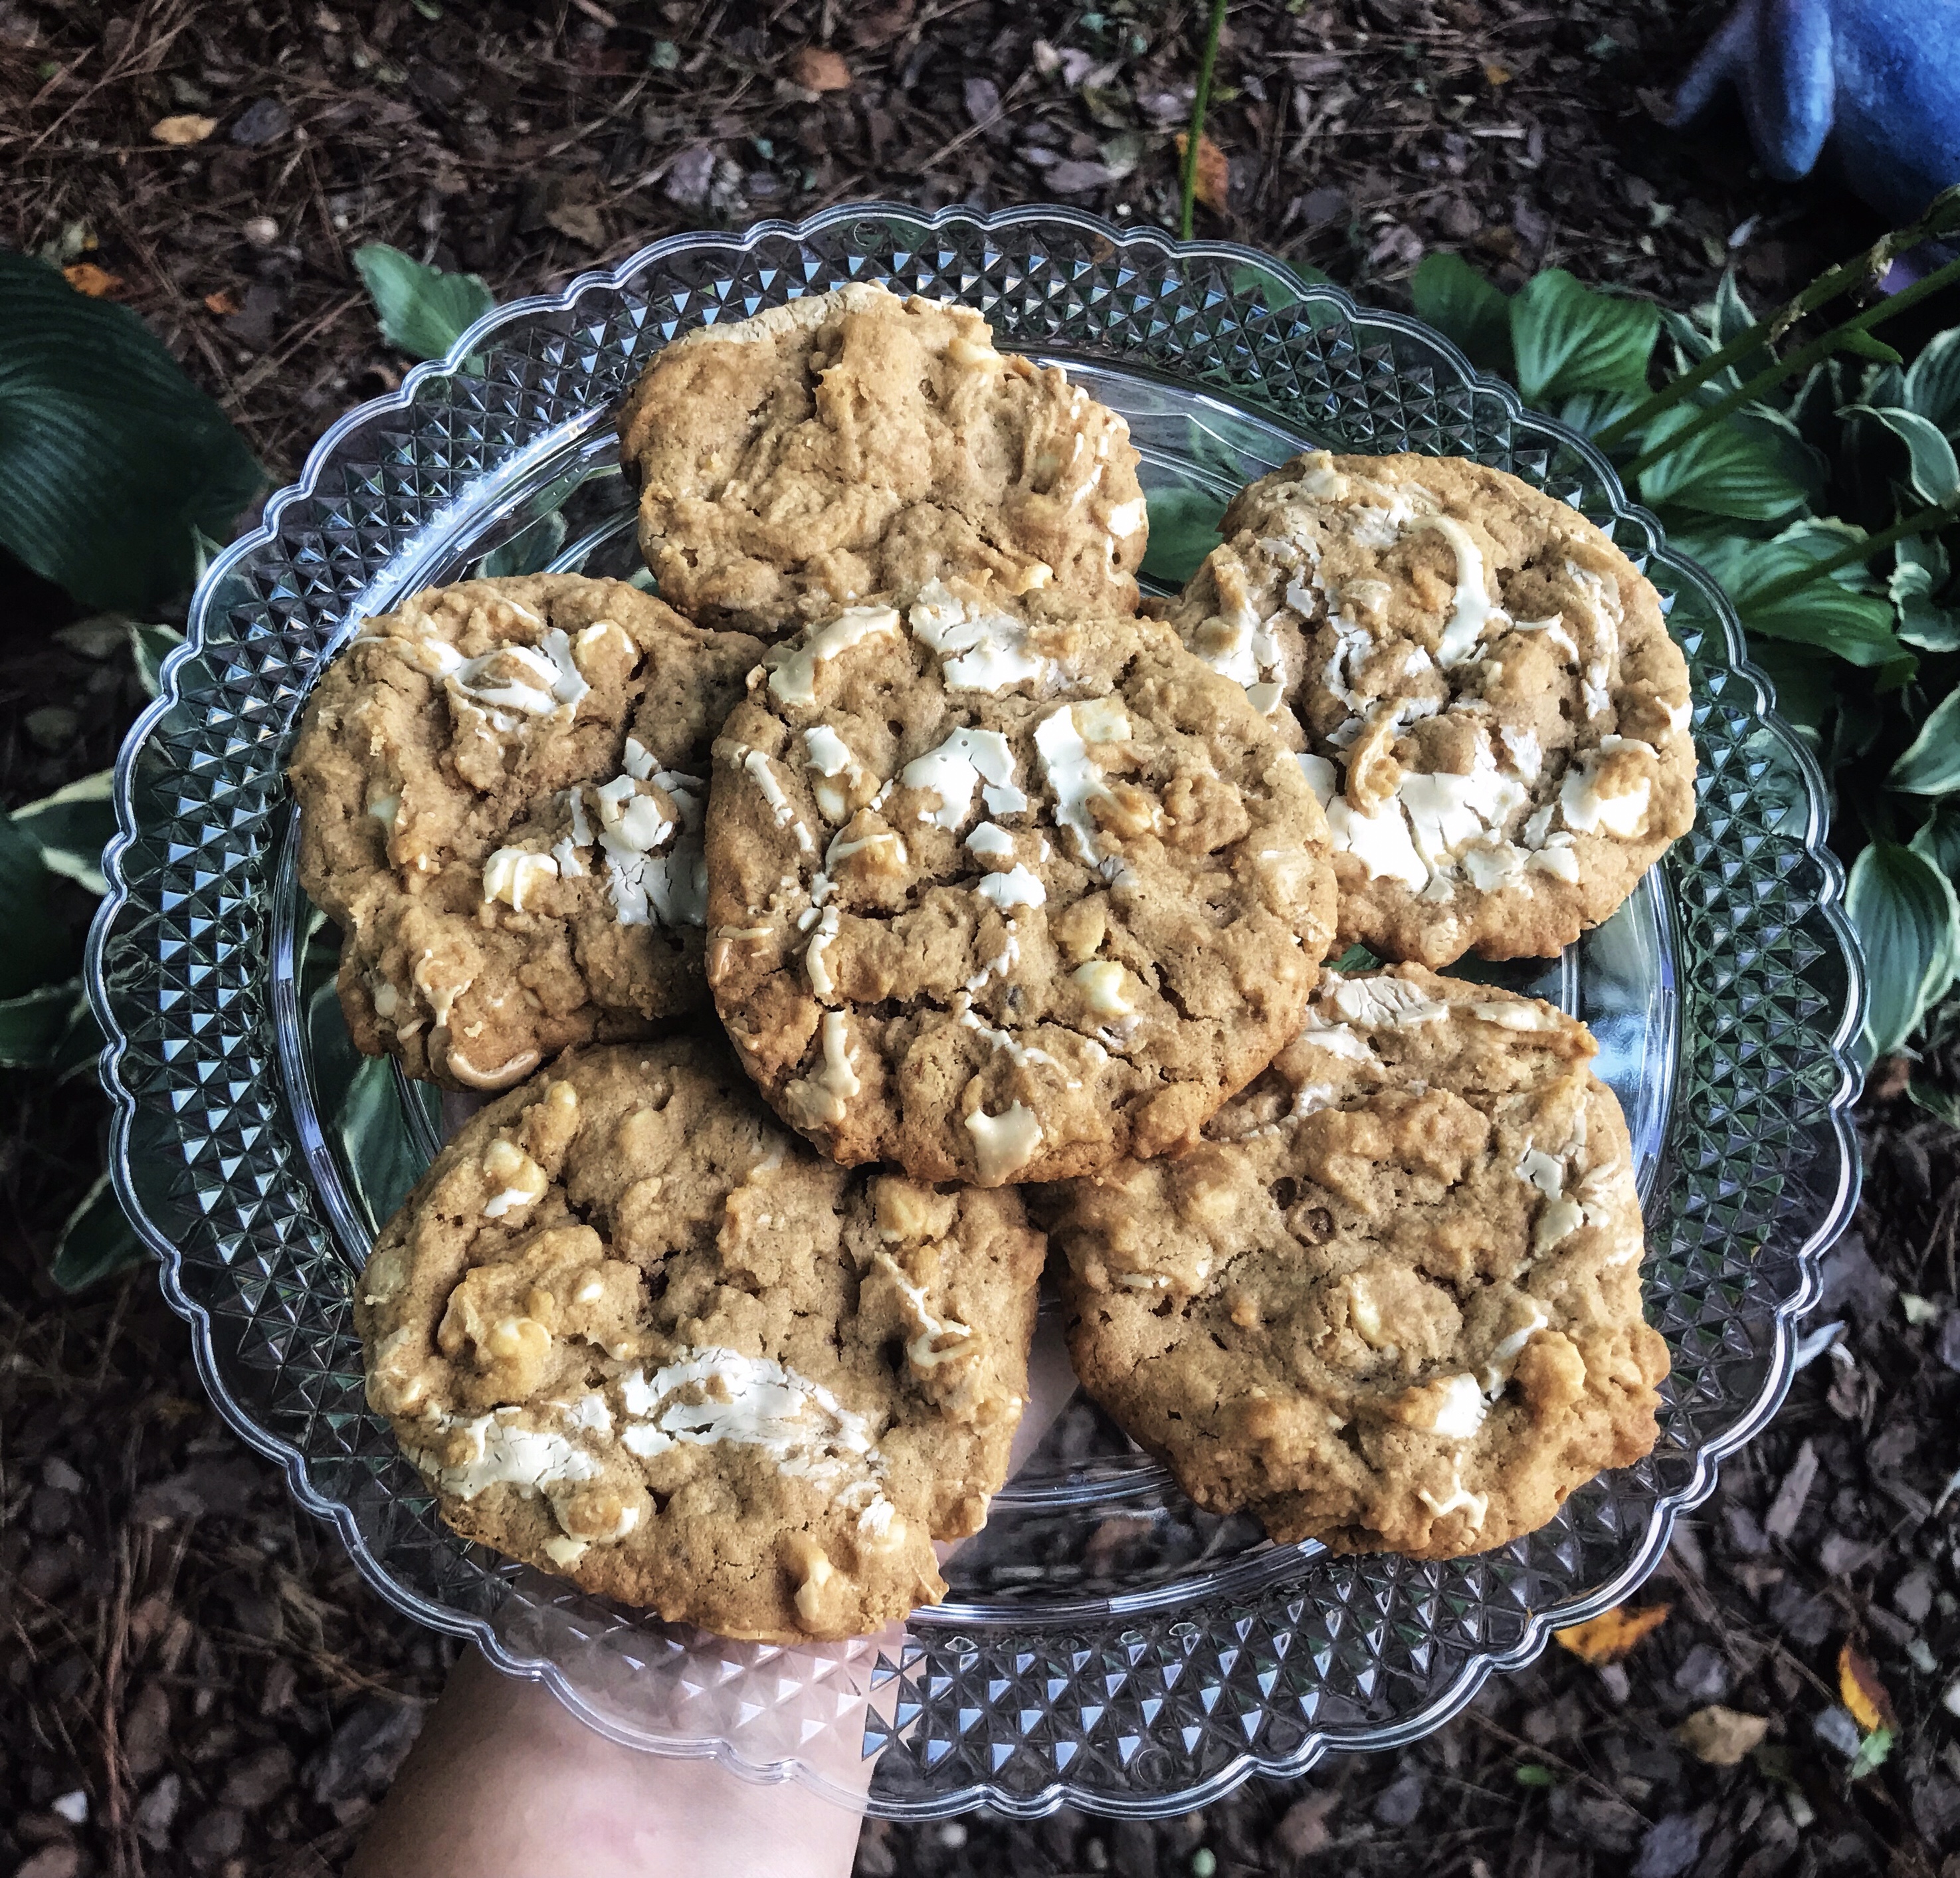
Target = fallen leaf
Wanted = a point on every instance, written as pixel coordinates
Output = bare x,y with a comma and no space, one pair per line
221,303
1495,74
183,130
1609,1636
1722,1737
580,221
1862,1692
1214,172
86,278
817,68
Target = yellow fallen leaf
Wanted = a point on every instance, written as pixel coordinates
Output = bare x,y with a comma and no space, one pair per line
1861,1692
1608,1637
183,130
1495,74
86,278
1719,1737
817,68
1214,172
221,302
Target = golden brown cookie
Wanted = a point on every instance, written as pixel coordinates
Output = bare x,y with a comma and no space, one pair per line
1489,703
1393,1302
851,444
1002,897
501,786
635,1333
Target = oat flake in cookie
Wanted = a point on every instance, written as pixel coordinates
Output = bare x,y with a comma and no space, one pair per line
1491,707
1001,897
501,786
637,1334
853,443
1393,1303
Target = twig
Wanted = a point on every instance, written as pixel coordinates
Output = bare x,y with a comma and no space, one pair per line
1941,215
1201,98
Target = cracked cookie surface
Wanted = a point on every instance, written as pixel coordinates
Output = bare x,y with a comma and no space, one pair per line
854,443
501,786
1002,896
636,1334
1392,1301
1482,687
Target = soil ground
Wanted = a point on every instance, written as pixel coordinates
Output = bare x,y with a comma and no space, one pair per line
196,1679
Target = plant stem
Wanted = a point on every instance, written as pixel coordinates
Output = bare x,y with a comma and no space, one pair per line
1199,99
1799,361
1941,217
1934,515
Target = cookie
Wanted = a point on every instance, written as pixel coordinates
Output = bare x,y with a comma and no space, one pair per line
501,788
1003,896
1481,686
850,444
636,1334
1392,1303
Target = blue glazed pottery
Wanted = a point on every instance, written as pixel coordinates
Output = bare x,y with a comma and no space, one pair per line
1879,79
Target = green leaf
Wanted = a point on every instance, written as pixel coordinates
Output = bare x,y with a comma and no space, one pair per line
110,456
1567,339
423,310
1465,308
32,1026
1939,839
1184,530
96,1240
1936,476
1933,385
369,1123
1278,294
1930,765
1531,1774
529,551
1908,922
1743,466
1828,613
1587,412
151,645
1872,1753
1919,572
1356,958
37,949
1804,679
72,827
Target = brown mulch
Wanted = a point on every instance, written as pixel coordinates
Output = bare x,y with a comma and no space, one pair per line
196,1679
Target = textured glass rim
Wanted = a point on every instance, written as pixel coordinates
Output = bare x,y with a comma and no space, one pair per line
1539,1624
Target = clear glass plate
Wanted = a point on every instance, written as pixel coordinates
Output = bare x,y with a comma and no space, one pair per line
1104,1643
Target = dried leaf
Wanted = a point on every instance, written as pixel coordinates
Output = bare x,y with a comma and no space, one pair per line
580,221
86,278
1608,1637
221,303
183,130
1862,1692
1214,172
1722,1737
1495,74
817,68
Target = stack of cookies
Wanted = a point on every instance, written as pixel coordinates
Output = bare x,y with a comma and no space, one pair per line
891,898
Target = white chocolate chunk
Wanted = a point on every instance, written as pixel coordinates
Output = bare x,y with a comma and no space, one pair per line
511,873
954,770
1102,985
794,680
1016,887
1003,1143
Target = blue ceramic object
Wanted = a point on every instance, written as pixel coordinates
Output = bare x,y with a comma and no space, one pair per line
1880,78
